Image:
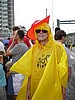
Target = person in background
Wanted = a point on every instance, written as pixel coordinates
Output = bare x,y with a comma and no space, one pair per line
26,41
60,36
45,65
3,95
16,52
13,33
25,38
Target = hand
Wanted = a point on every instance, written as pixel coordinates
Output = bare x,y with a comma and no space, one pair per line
15,35
69,73
8,74
63,93
14,40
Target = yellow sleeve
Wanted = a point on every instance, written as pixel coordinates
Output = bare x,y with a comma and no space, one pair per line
63,69
23,65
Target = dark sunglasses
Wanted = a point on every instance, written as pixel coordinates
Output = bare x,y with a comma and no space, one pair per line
39,30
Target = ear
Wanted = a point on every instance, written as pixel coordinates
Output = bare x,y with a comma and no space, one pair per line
63,37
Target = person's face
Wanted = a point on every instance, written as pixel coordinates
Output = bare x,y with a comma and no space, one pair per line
15,35
14,32
41,34
63,39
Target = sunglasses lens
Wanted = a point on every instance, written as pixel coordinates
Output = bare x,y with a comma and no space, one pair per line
38,31
44,31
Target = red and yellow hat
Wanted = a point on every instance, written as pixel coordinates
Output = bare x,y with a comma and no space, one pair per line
30,32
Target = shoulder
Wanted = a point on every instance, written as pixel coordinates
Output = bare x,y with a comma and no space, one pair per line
22,44
1,67
11,39
67,50
1,44
60,49
59,45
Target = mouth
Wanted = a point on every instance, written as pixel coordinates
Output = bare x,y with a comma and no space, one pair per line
41,35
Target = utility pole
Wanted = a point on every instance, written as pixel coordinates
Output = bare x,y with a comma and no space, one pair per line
46,12
58,22
52,15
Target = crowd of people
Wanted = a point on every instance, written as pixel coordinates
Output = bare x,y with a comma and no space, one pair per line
35,65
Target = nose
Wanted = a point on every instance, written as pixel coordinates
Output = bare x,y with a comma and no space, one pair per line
41,31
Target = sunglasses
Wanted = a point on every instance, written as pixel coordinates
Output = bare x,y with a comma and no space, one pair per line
39,30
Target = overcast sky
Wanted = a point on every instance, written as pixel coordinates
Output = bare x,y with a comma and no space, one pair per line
27,11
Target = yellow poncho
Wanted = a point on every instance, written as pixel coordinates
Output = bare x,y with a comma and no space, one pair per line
48,69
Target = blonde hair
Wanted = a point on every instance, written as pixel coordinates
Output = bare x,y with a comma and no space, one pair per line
44,26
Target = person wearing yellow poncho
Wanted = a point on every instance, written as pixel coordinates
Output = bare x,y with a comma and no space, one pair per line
45,65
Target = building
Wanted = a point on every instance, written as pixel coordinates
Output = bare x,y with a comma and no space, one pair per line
6,17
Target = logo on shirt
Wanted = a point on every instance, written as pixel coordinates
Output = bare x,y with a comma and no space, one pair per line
42,61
